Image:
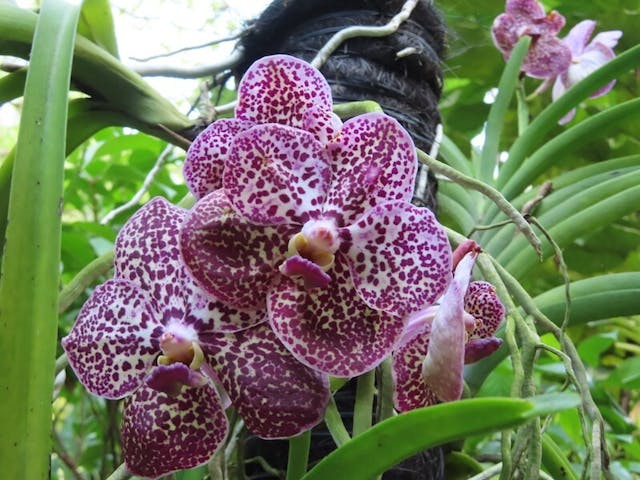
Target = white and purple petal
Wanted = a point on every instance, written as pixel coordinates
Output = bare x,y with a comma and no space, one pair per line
162,434
410,390
322,123
443,365
274,393
399,257
277,174
479,348
207,155
147,251
114,341
331,329
228,256
280,89
373,161
483,303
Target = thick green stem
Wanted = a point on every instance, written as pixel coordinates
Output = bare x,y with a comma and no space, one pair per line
363,407
31,262
385,391
298,455
333,421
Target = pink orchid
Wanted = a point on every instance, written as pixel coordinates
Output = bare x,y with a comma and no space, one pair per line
547,55
152,336
316,227
585,59
428,362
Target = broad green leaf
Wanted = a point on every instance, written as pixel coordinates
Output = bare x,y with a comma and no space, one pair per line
31,261
397,438
626,375
96,24
592,347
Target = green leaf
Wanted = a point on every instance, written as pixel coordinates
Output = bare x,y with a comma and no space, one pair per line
96,24
495,121
12,85
31,261
626,375
387,443
591,348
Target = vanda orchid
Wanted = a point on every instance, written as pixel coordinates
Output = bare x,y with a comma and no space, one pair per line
438,341
586,57
151,336
313,221
548,55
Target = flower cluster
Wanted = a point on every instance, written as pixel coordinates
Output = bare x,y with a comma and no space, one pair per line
561,62
302,258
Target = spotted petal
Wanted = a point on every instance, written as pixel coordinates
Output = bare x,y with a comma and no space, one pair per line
277,174
373,160
399,256
324,124
548,57
279,89
114,340
483,303
147,253
331,329
162,434
410,390
229,257
442,367
207,154
276,395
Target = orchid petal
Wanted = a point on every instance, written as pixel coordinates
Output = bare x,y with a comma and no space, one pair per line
594,56
548,57
147,253
277,174
323,124
312,274
482,301
207,155
205,313
525,8
479,348
443,365
608,39
410,389
373,160
114,340
279,89
331,329
162,434
579,35
276,395
229,257
399,257
170,379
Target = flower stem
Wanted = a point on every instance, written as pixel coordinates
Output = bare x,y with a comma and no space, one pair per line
298,455
364,402
490,192
385,391
336,428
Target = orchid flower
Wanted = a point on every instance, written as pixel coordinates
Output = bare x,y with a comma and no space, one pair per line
149,335
547,55
438,341
275,89
585,58
317,228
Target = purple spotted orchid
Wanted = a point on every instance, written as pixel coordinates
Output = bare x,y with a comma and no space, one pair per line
548,56
586,57
152,336
438,341
313,221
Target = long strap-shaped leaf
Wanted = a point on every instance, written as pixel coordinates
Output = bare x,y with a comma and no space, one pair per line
397,438
97,72
29,283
